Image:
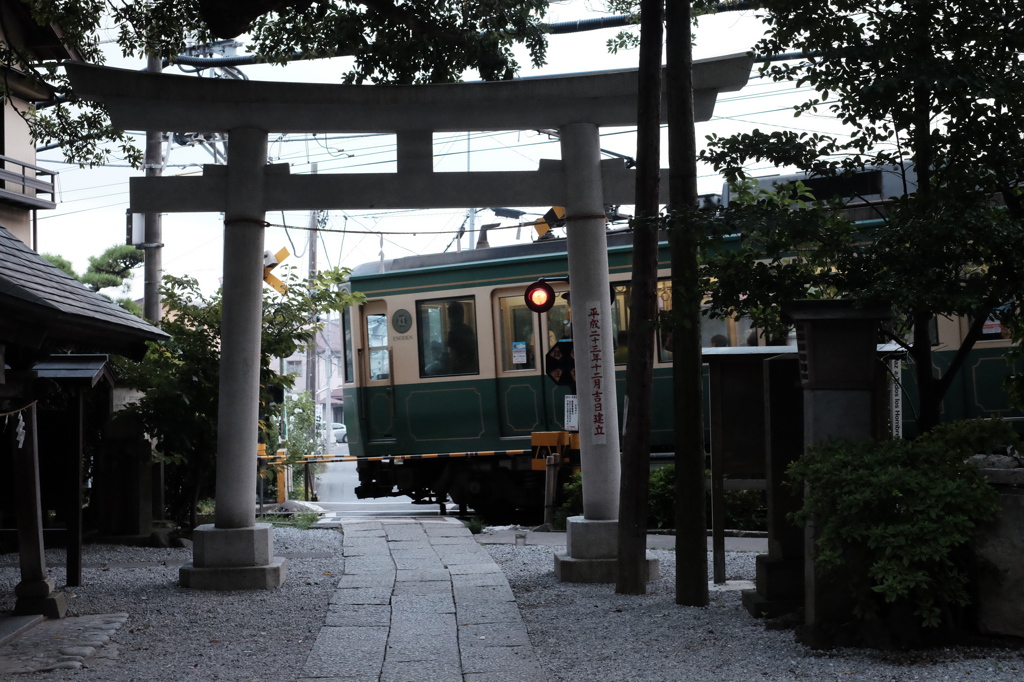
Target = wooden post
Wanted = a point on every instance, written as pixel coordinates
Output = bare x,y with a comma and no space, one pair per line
632,574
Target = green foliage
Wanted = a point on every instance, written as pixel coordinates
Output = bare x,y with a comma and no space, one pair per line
661,498
475,525
181,376
572,504
303,520
416,41
892,516
897,76
61,263
305,437
113,268
744,509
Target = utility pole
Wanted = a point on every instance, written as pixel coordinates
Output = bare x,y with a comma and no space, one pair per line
153,161
687,386
472,211
311,357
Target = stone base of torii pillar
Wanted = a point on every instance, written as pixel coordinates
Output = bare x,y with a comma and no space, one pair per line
591,554
233,559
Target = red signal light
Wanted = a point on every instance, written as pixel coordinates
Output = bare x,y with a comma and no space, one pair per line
540,296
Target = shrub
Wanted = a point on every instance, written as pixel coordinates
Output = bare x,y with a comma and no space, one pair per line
572,493
744,509
892,517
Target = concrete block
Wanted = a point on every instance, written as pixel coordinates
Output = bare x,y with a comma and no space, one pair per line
232,547
572,570
590,539
268,577
1001,558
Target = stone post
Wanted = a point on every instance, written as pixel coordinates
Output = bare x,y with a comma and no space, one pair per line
837,345
236,552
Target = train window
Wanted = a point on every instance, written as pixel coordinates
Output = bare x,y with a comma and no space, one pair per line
377,342
559,321
447,337
717,332
664,301
620,321
346,344
993,330
516,334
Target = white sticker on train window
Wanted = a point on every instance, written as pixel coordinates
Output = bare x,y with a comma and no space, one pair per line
519,352
572,413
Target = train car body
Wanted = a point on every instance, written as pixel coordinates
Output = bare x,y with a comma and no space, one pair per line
444,357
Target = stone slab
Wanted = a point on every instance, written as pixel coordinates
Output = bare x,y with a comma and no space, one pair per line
494,634
572,570
423,576
422,587
358,615
361,595
351,652
15,626
496,612
470,594
224,578
402,605
408,671
380,580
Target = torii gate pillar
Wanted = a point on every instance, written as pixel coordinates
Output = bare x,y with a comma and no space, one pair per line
591,539
236,552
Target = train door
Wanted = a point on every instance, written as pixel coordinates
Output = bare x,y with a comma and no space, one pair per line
377,368
520,385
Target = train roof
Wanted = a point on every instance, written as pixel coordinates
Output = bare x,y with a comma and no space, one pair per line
470,257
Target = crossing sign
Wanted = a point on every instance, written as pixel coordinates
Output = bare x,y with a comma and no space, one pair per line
269,263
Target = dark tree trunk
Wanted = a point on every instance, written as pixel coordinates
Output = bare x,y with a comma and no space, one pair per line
691,527
636,446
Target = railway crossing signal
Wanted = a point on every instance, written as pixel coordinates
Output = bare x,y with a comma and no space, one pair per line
555,217
540,296
269,263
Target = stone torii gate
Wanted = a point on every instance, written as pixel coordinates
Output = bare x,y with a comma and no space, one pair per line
235,552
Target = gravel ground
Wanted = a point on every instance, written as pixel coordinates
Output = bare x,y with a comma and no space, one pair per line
177,634
588,632
580,632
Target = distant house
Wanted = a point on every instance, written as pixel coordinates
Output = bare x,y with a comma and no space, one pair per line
25,187
331,368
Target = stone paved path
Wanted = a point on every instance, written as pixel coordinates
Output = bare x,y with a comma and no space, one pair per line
420,600
62,644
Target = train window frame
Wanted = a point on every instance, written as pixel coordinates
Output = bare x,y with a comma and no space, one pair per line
348,364
377,310
425,335
507,305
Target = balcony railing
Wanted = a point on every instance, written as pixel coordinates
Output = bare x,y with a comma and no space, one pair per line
26,185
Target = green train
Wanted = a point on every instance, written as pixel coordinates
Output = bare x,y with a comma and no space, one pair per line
446,370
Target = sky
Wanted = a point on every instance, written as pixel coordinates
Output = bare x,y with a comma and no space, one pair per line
93,201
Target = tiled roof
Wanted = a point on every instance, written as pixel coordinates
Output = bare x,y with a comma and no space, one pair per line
40,304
